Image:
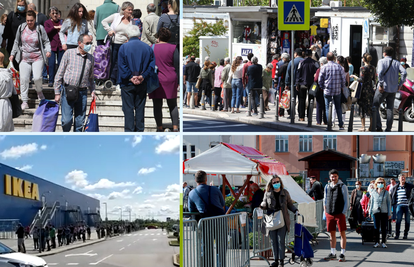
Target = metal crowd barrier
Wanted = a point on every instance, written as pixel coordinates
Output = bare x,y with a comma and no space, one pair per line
220,241
8,228
260,243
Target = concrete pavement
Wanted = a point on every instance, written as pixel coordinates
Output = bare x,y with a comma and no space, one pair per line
399,252
284,123
146,248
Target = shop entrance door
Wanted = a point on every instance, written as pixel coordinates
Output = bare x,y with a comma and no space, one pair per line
355,47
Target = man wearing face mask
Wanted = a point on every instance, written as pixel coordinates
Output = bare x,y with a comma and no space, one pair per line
70,73
336,205
400,194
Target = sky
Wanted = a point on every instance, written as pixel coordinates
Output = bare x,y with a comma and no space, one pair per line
138,173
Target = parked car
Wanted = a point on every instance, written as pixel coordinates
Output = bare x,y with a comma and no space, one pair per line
10,258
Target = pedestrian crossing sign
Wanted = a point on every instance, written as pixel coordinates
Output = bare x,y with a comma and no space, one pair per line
294,15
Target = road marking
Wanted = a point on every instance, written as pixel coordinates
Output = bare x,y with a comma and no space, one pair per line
154,239
146,234
121,248
135,234
73,263
140,234
152,234
128,235
95,263
158,234
164,234
120,240
129,245
82,254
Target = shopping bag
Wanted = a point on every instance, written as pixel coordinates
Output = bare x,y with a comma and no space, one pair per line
102,60
92,123
285,100
357,93
16,106
45,116
16,77
153,82
272,93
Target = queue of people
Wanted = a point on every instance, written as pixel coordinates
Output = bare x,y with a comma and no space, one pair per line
35,41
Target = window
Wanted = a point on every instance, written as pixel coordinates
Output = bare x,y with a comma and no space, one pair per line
305,143
379,143
184,152
329,141
192,151
282,143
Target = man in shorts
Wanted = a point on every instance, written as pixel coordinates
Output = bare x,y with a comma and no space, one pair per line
192,71
336,205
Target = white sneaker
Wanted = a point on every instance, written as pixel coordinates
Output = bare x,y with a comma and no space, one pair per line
118,88
383,245
376,245
24,105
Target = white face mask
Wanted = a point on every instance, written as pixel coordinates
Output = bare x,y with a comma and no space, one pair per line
358,186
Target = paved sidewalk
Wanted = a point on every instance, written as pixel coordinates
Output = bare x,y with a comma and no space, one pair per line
399,252
284,123
12,243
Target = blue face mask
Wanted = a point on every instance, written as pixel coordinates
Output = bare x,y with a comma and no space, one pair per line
276,186
403,63
21,8
87,48
380,185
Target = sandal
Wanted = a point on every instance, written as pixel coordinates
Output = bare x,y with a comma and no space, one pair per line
362,130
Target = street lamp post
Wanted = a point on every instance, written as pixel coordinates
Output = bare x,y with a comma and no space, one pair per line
121,213
106,211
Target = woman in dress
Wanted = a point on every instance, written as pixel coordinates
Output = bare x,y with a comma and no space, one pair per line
75,25
367,75
31,50
277,198
52,27
167,61
380,210
235,76
119,23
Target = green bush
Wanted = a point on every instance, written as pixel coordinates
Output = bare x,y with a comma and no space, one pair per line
230,199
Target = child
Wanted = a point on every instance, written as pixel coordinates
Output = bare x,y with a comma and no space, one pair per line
136,13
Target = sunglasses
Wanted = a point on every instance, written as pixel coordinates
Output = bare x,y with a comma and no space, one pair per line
380,183
278,182
89,43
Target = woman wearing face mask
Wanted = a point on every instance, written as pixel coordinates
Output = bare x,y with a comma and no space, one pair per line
31,49
75,25
277,198
355,205
52,27
119,24
14,20
380,210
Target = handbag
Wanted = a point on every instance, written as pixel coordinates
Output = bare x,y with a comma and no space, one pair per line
198,84
357,92
314,89
45,116
274,221
72,91
285,100
92,123
153,83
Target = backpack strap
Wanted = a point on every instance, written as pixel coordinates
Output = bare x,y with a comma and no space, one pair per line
206,205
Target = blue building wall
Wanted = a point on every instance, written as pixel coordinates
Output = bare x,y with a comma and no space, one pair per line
24,209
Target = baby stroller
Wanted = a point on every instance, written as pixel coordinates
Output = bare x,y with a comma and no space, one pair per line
302,246
102,67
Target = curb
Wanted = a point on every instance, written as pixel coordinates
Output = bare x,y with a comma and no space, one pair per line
49,253
176,260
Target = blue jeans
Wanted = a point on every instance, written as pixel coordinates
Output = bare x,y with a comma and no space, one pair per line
44,73
237,87
133,106
277,239
52,64
402,210
337,102
191,86
67,111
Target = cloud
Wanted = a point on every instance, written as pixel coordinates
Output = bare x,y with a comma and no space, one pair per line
118,195
146,206
159,166
16,152
126,139
171,144
136,140
145,171
137,190
171,194
97,196
77,178
105,184
43,147
25,168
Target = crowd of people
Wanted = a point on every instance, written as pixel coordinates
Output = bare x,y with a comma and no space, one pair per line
59,52
233,81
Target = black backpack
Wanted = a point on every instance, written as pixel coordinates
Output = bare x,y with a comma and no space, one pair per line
174,29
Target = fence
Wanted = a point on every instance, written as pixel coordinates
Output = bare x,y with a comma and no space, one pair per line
220,241
8,228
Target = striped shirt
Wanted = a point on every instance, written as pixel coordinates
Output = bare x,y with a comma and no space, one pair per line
401,196
70,69
331,78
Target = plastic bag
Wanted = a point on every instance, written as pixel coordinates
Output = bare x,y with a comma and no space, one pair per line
16,77
285,100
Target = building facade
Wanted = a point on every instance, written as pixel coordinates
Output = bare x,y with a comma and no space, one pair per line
24,197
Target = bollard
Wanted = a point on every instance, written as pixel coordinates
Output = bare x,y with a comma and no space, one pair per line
212,101
192,105
277,106
374,119
351,119
202,100
292,109
310,113
330,116
400,120
261,112
249,105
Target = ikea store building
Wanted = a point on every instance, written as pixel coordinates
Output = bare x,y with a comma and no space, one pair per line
33,201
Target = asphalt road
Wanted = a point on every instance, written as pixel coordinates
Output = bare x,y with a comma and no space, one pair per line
146,248
194,123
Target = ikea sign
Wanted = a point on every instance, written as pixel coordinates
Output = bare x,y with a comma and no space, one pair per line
18,187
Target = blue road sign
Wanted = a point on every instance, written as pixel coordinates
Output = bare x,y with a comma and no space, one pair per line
294,13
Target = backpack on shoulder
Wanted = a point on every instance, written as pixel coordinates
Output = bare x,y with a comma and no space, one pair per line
175,30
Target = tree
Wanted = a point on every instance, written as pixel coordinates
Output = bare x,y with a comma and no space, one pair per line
191,42
391,13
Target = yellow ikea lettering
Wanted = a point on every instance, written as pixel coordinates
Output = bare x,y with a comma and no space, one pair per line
17,187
